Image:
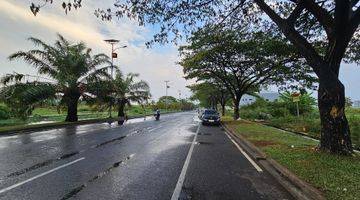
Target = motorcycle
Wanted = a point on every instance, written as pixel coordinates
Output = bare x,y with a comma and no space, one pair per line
157,117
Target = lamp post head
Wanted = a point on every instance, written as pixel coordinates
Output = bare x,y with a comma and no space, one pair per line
112,41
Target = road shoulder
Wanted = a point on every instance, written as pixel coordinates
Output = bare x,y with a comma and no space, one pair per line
298,188
218,170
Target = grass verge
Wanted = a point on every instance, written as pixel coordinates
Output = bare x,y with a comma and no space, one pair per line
337,176
59,122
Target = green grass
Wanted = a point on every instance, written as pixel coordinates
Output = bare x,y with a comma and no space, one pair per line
311,126
51,114
337,176
308,123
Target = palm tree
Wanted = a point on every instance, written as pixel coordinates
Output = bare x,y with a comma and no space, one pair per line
127,90
71,67
121,91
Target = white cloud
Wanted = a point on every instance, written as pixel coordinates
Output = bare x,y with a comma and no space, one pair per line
154,65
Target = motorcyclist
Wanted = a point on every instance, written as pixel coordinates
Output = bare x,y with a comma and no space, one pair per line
157,114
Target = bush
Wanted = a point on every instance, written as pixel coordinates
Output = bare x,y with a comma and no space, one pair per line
84,108
278,109
4,112
254,113
354,123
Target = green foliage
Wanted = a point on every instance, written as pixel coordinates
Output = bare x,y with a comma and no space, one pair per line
285,107
68,69
172,104
167,99
121,91
21,97
4,112
348,102
209,94
310,124
306,104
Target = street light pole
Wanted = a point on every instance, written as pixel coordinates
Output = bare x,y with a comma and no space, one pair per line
166,94
112,42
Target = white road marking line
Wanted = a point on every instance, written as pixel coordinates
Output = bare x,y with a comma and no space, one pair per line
40,175
245,154
180,182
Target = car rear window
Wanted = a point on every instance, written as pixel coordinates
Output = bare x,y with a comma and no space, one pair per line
210,112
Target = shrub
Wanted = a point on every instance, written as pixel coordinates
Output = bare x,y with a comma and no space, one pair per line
354,124
84,108
254,113
278,109
4,112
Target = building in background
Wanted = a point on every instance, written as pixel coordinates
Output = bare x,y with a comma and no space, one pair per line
268,96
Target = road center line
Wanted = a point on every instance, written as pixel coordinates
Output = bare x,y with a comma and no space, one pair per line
245,154
40,175
180,182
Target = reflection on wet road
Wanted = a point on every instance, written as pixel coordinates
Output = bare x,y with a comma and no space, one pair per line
142,159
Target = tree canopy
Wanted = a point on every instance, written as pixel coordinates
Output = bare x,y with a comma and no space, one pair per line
66,69
243,61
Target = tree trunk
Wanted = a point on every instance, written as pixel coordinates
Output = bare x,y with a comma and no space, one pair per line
335,132
236,109
121,112
223,109
72,99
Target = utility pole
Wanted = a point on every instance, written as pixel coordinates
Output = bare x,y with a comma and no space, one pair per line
112,42
166,94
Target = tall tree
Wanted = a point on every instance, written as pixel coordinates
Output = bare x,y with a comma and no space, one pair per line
68,69
121,91
22,97
210,94
308,24
241,61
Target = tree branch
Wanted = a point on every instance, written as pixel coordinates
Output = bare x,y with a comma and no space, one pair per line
355,20
295,37
322,15
295,13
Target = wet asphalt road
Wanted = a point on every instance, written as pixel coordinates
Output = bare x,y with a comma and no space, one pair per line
140,160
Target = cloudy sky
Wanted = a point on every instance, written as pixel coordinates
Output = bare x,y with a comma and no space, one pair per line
155,65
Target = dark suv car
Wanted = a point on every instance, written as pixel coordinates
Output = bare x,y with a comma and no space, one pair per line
210,116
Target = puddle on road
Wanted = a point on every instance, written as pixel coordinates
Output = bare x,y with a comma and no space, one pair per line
62,157
204,143
42,164
78,189
108,142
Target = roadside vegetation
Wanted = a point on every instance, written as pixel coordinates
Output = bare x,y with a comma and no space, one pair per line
283,114
336,176
323,34
73,84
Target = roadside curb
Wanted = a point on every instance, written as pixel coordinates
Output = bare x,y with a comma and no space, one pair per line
32,128
298,188
42,127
